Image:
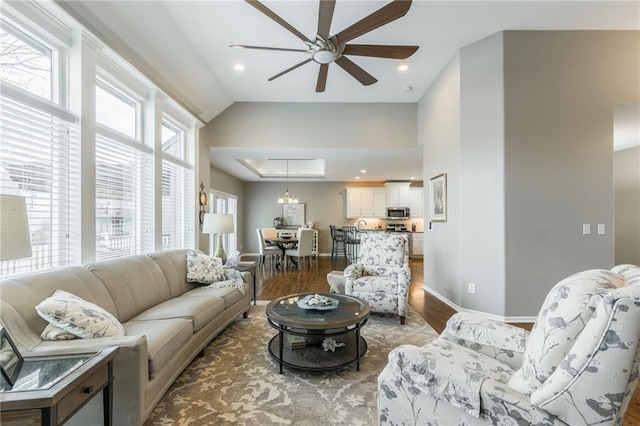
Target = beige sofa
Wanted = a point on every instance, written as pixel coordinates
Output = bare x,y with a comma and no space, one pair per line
168,321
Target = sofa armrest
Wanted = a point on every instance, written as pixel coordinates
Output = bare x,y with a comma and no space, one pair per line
130,371
496,339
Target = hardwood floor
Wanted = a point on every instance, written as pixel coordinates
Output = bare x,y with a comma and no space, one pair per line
272,283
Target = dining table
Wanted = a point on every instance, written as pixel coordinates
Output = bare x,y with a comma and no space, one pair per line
284,244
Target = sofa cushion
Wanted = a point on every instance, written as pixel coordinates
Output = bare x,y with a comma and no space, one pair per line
165,337
564,314
200,311
202,268
230,296
24,292
135,283
173,264
79,317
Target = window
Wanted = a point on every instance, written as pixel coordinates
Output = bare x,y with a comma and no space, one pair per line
178,201
39,153
124,178
26,63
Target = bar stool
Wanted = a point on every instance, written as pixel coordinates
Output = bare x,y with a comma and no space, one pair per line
337,237
351,243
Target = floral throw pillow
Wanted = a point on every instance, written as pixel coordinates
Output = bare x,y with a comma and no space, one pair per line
202,268
51,332
79,317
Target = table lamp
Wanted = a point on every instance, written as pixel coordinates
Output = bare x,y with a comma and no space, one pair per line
15,238
219,224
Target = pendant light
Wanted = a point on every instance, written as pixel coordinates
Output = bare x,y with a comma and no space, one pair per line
288,198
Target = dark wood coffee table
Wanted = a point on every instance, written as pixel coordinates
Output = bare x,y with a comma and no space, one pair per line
342,324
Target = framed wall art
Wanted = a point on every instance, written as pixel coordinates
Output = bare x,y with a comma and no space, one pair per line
293,214
438,198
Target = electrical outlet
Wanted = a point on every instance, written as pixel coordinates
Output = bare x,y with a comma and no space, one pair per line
471,288
601,229
586,229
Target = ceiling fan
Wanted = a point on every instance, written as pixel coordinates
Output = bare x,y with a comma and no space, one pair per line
326,49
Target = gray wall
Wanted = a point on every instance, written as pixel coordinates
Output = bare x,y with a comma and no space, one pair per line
439,134
560,91
627,205
324,205
353,125
482,175
535,156
204,173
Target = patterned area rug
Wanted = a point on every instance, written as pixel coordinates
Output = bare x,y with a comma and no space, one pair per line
237,381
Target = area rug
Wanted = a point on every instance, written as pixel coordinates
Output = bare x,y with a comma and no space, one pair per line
237,381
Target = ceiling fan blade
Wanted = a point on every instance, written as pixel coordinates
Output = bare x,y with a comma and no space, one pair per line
356,72
380,51
322,78
389,13
290,69
282,49
264,9
325,15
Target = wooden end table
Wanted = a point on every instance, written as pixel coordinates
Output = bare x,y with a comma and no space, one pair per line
251,268
50,389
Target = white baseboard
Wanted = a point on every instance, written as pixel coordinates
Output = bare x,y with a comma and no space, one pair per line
525,319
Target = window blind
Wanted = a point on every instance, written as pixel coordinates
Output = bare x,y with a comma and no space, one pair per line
124,188
39,159
178,204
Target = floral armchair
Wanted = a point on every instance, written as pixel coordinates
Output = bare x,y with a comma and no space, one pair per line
382,276
578,366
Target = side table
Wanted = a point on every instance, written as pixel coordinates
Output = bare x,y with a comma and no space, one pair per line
52,388
251,268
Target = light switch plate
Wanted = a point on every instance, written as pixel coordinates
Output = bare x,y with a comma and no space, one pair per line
586,229
601,229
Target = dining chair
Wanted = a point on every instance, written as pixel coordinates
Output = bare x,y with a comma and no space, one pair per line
304,248
266,250
269,234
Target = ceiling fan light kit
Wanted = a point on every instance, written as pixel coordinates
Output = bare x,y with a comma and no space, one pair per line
325,50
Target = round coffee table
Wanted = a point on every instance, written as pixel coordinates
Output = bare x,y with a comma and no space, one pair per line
301,332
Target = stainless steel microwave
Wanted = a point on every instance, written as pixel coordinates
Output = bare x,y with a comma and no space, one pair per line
398,213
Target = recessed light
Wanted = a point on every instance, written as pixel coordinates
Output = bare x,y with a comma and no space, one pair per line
363,171
407,88
357,177
403,67
239,67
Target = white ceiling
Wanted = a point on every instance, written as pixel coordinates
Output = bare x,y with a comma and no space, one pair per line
184,45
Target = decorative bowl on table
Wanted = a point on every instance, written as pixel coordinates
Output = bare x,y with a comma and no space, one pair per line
286,237
319,302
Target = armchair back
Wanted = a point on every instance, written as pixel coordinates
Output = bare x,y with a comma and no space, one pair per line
389,250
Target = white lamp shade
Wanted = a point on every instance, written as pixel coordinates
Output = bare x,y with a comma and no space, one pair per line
15,238
215,223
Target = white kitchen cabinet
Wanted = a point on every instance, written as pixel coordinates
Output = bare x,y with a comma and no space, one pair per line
398,194
366,202
416,203
417,244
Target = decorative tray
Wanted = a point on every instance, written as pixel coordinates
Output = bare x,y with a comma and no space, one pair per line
320,303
